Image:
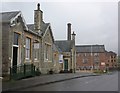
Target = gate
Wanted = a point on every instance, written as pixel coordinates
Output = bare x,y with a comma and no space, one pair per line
19,72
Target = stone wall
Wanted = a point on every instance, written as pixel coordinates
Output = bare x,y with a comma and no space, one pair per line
46,65
5,48
0,49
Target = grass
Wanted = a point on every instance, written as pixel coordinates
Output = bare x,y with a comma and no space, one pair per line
100,72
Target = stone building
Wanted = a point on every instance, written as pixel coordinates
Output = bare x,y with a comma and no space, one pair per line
47,40
68,51
90,57
57,59
30,44
13,40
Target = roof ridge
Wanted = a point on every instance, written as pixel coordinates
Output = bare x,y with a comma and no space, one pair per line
88,45
10,12
60,40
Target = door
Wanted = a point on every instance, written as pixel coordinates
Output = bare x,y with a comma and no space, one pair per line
15,54
66,64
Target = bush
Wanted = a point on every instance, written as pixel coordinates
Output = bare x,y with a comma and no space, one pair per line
51,71
61,71
37,72
70,71
66,71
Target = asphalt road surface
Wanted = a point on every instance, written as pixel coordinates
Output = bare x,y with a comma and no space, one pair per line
108,82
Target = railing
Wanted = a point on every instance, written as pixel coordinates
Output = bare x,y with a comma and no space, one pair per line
19,72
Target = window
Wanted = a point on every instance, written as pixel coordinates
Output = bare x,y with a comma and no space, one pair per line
96,60
111,60
111,56
28,48
36,54
48,52
36,51
96,54
84,55
85,61
16,37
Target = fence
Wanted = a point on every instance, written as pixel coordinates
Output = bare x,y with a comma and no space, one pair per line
19,72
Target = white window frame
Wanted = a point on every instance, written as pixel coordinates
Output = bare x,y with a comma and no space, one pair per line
29,49
36,51
48,52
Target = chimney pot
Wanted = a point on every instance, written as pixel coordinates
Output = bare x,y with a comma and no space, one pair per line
38,6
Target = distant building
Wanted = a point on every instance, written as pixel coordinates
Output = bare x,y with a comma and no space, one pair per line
68,51
111,60
94,57
90,57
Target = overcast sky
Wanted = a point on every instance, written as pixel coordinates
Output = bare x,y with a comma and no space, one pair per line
93,22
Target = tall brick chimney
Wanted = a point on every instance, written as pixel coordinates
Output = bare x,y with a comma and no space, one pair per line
69,31
38,17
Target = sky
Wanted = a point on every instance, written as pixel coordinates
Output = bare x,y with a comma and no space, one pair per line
93,22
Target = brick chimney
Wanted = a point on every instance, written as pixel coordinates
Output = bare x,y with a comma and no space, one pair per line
38,17
69,31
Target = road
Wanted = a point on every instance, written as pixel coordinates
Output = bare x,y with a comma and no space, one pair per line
107,82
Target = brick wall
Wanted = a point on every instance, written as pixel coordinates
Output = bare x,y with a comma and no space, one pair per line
87,61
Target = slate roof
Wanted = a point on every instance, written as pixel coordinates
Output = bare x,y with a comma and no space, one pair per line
90,48
64,45
7,16
56,48
111,53
43,26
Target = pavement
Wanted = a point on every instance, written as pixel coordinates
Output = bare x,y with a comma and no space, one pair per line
42,80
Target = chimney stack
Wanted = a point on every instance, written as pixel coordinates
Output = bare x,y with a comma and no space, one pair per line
37,18
69,31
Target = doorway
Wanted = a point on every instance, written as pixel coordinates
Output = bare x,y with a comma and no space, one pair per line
15,57
66,64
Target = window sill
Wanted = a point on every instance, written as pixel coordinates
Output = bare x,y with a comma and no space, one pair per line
48,61
27,60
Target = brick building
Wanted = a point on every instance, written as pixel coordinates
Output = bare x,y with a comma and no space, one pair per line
94,57
90,57
111,60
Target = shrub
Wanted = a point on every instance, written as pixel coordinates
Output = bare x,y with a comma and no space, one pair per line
70,71
37,72
51,71
61,71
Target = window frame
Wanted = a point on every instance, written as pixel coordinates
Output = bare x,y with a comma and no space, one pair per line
28,49
36,51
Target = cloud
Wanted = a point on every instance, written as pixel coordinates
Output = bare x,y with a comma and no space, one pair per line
93,22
